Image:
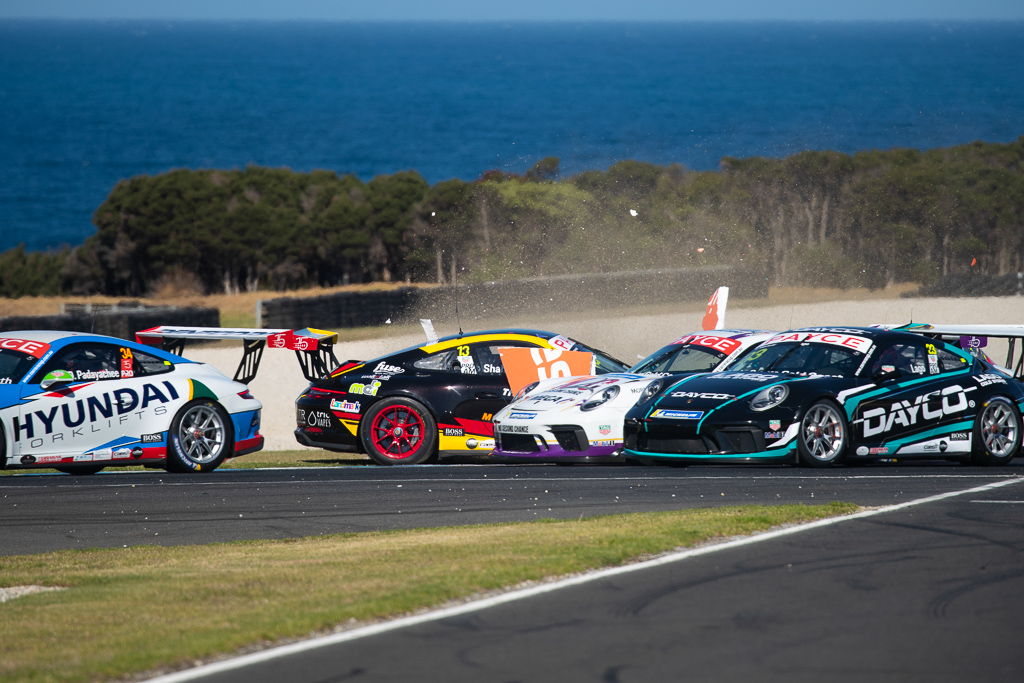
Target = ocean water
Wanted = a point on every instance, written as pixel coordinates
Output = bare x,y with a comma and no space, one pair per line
86,104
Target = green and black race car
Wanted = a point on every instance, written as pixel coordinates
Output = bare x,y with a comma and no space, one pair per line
819,396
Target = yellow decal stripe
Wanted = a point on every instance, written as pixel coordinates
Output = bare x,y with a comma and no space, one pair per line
441,346
458,443
346,370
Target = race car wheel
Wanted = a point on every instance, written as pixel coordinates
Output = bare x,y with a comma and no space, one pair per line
399,431
200,437
823,435
79,470
997,433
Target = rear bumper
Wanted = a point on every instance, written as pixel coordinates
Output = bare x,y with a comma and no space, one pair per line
303,438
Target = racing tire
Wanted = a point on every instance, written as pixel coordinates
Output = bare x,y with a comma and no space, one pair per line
200,438
399,431
79,470
997,433
824,436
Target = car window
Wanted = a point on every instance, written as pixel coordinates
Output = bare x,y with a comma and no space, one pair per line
908,359
91,361
950,361
14,365
488,358
681,359
85,362
148,364
603,363
442,361
801,358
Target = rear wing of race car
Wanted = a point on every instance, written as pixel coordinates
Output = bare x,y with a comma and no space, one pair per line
974,338
313,348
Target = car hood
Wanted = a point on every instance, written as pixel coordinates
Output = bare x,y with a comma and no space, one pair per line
567,394
710,390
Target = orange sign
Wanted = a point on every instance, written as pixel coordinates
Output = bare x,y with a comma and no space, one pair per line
525,366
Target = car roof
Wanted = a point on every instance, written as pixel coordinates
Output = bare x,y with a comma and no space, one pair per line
734,334
874,333
507,331
46,336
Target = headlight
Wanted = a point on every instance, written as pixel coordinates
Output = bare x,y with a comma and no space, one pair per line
651,390
769,397
601,397
525,390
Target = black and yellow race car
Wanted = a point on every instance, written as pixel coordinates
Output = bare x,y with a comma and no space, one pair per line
410,406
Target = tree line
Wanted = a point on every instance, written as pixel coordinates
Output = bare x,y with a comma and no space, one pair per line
815,218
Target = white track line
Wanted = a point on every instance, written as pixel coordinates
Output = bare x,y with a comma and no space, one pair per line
511,596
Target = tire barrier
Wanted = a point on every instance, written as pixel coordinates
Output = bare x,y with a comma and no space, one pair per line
116,320
593,291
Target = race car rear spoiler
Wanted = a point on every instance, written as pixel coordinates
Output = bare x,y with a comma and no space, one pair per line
313,348
974,338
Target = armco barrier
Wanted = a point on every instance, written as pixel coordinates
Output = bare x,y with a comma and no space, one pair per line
592,291
113,320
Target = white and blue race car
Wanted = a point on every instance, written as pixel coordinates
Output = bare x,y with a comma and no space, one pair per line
81,402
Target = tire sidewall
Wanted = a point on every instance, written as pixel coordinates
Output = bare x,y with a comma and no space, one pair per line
178,460
804,456
980,454
427,449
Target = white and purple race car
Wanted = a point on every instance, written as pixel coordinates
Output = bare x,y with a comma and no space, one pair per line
580,418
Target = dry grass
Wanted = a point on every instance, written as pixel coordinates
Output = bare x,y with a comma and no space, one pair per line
129,610
235,309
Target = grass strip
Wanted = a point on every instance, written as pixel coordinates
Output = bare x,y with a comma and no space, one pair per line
138,609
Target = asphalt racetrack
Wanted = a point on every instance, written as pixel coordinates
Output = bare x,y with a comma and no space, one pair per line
931,592
46,512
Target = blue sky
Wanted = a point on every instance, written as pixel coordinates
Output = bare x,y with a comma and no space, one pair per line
528,10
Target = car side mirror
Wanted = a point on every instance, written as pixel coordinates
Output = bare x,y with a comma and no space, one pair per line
886,373
57,378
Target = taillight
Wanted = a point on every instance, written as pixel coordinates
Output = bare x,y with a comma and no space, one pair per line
246,394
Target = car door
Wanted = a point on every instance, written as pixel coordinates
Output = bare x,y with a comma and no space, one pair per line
473,390
102,404
925,401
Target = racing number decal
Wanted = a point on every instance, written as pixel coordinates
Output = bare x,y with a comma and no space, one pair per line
126,362
548,364
464,350
524,366
933,359
756,353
